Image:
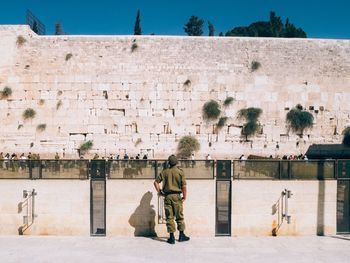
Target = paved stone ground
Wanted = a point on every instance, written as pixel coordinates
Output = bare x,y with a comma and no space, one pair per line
50,249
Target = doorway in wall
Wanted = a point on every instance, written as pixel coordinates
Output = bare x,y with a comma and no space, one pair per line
98,198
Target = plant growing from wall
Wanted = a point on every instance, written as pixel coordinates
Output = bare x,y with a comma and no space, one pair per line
228,101
41,127
187,82
138,141
41,102
69,56
5,93
134,46
221,122
59,104
187,145
31,144
251,116
346,136
59,93
29,114
85,147
255,65
20,40
211,110
20,126
299,120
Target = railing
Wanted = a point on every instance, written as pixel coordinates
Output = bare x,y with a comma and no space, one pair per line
44,169
193,169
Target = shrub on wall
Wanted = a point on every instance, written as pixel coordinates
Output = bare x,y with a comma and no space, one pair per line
346,136
5,93
255,65
41,127
187,145
59,104
134,46
69,56
211,110
299,120
187,82
221,122
251,116
20,40
228,101
29,114
85,147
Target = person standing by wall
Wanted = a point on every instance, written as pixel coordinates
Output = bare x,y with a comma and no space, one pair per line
174,184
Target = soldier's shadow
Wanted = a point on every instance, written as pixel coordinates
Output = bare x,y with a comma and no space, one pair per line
143,218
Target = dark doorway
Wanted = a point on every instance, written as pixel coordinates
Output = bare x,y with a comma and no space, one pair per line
98,198
343,205
343,197
223,198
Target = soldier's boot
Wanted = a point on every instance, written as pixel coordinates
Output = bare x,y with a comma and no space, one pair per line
183,237
171,239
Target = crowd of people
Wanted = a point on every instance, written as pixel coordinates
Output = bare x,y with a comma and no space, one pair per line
36,156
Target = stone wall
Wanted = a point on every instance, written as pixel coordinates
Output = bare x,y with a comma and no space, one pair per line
257,208
142,93
62,207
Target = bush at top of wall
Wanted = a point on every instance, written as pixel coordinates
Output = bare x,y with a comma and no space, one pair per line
29,114
346,136
134,45
5,93
211,110
299,120
187,145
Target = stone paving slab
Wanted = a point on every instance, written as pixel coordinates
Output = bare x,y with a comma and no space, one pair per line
54,249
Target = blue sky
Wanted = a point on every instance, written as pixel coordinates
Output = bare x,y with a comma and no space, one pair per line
319,18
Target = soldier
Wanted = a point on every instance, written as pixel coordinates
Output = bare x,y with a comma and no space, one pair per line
174,183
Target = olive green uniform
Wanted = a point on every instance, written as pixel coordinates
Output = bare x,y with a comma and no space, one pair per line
173,180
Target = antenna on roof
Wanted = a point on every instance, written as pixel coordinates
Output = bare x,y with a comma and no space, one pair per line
34,23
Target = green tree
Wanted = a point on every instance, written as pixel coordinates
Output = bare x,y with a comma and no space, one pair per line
137,27
277,27
211,29
194,26
272,28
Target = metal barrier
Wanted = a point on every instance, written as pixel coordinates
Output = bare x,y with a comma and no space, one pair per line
131,169
64,169
260,169
193,169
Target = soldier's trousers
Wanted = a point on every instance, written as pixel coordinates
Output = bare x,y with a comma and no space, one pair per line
174,210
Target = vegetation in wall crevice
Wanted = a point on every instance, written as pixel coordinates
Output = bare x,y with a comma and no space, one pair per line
298,119
29,113
187,145
5,93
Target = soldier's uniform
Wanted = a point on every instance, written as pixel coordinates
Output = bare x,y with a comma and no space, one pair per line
173,179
